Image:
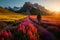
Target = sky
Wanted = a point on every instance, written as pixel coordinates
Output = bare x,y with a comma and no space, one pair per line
48,4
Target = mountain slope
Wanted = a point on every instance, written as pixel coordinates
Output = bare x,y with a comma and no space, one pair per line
29,8
6,15
5,11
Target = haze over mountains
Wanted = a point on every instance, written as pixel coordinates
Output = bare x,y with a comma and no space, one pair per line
29,8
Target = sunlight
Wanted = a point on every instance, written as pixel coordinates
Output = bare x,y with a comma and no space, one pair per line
57,9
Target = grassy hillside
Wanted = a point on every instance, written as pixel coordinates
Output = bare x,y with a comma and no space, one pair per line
6,15
50,19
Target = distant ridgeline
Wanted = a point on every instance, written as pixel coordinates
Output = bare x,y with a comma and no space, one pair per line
3,10
29,8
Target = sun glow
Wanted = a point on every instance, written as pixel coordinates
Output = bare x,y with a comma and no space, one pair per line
57,9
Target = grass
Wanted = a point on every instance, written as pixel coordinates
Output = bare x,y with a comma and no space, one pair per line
53,19
6,15
11,17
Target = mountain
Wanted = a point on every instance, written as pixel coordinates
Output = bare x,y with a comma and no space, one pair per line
14,9
3,10
7,15
29,8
